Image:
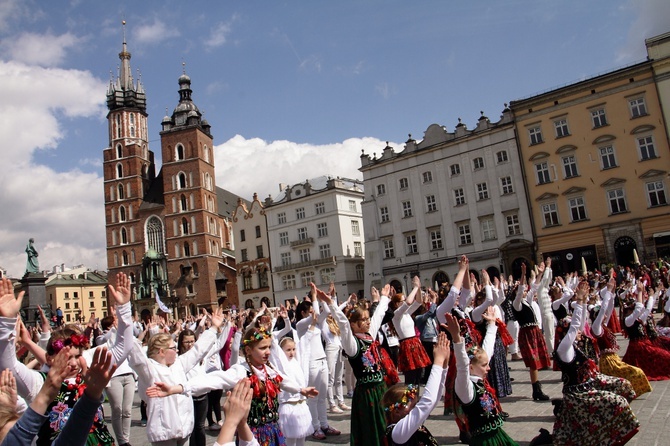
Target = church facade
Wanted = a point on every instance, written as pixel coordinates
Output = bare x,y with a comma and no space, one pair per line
170,231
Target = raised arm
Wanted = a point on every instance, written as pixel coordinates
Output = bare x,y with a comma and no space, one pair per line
408,425
519,294
463,387
347,337
639,306
566,349
607,298
378,316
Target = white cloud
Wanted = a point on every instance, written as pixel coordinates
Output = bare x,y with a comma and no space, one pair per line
218,35
652,20
45,50
63,211
286,162
385,90
154,32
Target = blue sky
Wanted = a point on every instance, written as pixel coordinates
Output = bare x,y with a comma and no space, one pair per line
292,89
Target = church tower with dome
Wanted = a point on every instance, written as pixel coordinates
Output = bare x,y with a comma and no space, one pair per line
170,232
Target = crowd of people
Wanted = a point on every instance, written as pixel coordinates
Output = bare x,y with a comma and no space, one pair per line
281,370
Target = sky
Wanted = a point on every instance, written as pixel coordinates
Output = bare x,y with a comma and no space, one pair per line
292,89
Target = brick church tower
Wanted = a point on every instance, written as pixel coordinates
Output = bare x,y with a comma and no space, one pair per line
171,232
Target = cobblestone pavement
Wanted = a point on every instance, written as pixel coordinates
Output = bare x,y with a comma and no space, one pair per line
526,416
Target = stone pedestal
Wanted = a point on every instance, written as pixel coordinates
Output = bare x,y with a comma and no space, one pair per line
36,295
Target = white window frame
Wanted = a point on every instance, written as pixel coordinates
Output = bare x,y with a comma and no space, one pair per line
561,127
320,208
322,229
482,191
617,196
389,249
431,203
478,163
535,135
502,156
302,233
381,189
638,107
506,186
358,249
577,206
550,210
411,244
300,213
403,183
542,174
646,148
598,118
570,166
324,251
513,225
435,239
656,189
281,218
283,239
384,214
305,255
459,196
455,169
428,177
488,226
285,258
607,153
407,209
355,227
464,234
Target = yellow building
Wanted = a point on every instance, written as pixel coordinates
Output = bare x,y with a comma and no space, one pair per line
596,159
79,293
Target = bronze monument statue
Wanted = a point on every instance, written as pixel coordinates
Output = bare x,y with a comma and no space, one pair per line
32,265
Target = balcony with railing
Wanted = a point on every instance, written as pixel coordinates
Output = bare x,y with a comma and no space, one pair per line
302,242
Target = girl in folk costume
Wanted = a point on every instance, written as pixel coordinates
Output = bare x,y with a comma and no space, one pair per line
610,363
412,357
498,375
641,352
478,401
171,419
456,295
292,359
30,381
595,409
531,341
266,383
406,413
368,424
647,318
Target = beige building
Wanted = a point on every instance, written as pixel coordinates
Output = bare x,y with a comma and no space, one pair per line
252,254
596,160
79,293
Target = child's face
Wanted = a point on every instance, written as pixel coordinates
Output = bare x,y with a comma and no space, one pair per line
72,361
363,324
479,365
289,349
259,353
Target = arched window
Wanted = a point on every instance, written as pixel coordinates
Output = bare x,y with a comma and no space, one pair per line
208,182
124,256
184,226
116,259
145,171
119,151
205,152
187,249
118,126
119,171
131,276
122,193
195,269
182,202
132,125
179,152
182,181
155,234
124,236
122,213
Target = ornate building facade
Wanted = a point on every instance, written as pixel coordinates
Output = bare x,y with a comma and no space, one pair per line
170,232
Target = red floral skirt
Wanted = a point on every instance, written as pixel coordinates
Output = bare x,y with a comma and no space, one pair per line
533,348
654,361
412,355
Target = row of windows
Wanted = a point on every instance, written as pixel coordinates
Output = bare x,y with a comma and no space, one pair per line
243,234
319,209
121,214
91,304
455,169
75,295
636,107
180,153
321,231
305,254
259,253
488,230
616,201
247,282
607,156
327,275
506,188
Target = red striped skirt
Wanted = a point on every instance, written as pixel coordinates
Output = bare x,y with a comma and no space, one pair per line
533,349
412,355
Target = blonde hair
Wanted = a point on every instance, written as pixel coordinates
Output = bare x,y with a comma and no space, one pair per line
157,342
8,415
332,325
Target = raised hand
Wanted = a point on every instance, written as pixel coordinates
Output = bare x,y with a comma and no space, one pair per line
217,318
486,280
441,352
375,293
489,315
331,289
161,390
8,394
9,304
98,375
238,402
453,328
386,290
120,294
46,325
416,282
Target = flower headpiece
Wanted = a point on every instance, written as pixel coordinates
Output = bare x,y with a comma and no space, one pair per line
259,335
472,351
408,395
75,340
